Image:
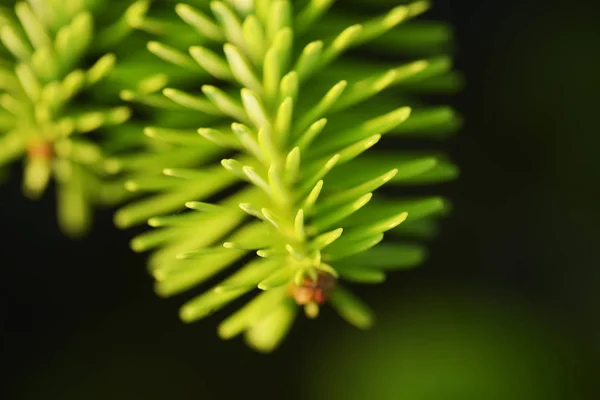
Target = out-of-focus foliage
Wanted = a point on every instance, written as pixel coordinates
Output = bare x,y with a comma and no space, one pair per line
63,64
446,346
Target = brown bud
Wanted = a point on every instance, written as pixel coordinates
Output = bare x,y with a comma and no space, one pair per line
313,291
39,150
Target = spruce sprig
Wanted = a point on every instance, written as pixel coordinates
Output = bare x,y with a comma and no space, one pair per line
295,126
57,58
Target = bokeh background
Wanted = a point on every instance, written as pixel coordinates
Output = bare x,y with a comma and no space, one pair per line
506,307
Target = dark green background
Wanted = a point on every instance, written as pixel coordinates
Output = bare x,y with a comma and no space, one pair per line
506,306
